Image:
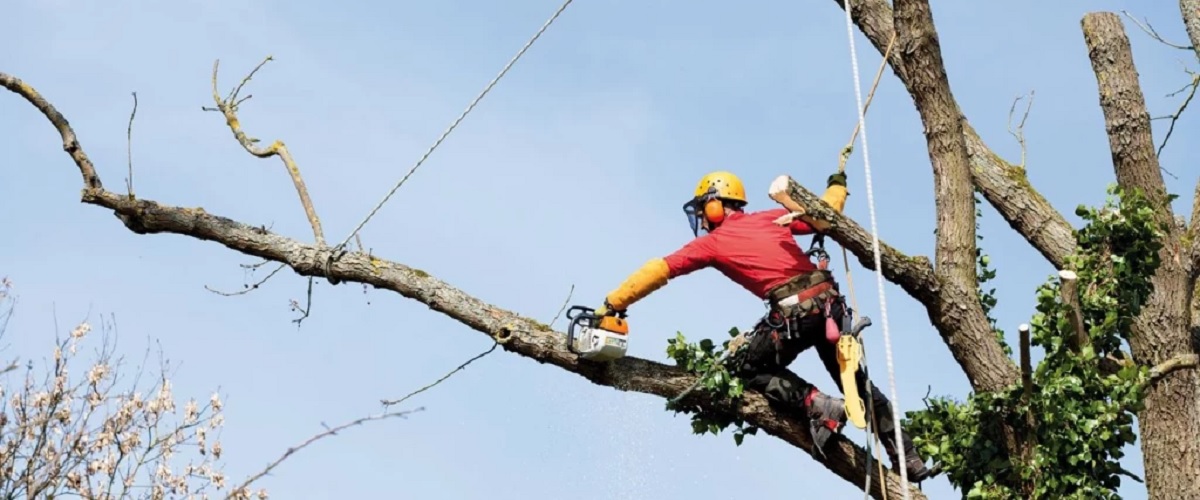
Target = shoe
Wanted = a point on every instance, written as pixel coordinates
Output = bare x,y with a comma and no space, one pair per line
827,416
914,464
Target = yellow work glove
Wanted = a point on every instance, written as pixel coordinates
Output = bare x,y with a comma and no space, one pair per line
606,311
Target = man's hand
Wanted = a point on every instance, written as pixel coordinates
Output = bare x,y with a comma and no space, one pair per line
607,310
838,179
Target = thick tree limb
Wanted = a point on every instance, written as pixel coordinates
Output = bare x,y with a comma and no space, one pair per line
1194,234
951,308
1162,330
929,87
523,336
1126,118
1190,10
1003,184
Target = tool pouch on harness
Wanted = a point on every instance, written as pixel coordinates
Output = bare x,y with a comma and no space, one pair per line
805,294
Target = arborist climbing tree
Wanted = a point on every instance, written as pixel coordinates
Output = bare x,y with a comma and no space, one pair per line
758,251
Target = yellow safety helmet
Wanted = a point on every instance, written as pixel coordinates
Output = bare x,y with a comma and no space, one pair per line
712,193
727,186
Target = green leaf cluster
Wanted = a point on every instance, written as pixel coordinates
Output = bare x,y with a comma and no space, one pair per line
704,359
1081,416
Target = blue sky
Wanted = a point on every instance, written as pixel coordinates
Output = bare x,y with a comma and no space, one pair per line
608,121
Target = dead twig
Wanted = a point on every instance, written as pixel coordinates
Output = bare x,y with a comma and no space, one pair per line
129,147
1019,132
392,402
241,489
564,306
1195,83
250,287
228,107
1149,30
304,311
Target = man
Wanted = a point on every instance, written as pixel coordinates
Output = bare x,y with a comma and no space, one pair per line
759,252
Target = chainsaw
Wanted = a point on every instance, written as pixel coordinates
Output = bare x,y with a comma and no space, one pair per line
849,357
599,338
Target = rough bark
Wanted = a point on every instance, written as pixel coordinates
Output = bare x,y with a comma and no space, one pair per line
928,84
968,336
517,334
1190,10
1170,423
1002,184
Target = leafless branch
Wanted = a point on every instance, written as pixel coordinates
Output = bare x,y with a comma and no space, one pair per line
1191,88
392,402
1026,365
304,311
566,301
1019,132
228,107
129,146
1069,293
516,333
247,288
1171,365
1004,185
241,490
1146,27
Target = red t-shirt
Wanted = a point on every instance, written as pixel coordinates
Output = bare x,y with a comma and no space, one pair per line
748,248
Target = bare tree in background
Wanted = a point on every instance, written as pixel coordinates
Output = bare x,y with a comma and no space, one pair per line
1159,370
80,430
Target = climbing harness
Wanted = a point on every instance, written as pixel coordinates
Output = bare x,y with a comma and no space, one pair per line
887,340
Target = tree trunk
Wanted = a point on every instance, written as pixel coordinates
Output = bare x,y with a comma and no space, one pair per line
1170,422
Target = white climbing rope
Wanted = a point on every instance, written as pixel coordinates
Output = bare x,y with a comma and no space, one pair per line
887,339
456,121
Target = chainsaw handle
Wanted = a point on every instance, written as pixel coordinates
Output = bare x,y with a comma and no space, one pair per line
862,323
581,314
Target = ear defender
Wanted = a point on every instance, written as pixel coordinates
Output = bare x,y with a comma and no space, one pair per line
714,211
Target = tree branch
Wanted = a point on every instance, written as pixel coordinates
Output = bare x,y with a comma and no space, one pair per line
1126,119
1194,232
241,491
228,107
1149,30
515,333
1069,293
1190,10
929,87
953,310
1003,185
913,274
1178,362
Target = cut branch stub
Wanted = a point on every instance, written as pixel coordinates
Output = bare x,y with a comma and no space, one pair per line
1069,293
